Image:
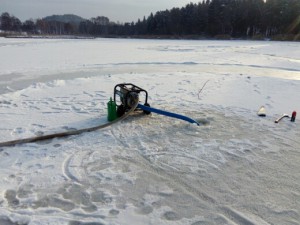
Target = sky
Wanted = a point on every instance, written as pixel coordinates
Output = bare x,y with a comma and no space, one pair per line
116,10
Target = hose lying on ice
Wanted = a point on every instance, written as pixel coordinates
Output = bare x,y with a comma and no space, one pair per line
166,113
67,133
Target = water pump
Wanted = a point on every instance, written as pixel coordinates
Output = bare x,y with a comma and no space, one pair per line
129,94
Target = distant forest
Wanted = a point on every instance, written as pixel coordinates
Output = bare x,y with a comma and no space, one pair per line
224,19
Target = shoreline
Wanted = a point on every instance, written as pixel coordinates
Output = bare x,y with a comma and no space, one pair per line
50,37
160,37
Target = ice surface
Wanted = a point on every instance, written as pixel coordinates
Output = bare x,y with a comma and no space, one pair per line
25,61
236,168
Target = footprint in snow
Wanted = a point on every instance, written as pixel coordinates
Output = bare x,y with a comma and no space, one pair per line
88,94
39,133
11,198
171,216
18,130
7,221
83,223
4,102
38,125
69,128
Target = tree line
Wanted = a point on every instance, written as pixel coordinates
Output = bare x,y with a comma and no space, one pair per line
209,18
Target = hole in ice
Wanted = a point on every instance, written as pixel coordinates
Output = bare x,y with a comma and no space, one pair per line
203,121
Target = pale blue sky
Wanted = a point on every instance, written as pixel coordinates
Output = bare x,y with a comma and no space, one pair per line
115,10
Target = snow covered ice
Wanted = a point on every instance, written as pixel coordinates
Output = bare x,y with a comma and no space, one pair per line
236,168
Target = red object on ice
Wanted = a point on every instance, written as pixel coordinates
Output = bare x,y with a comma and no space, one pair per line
293,116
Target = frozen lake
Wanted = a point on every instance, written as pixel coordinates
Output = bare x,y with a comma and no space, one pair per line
24,61
235,168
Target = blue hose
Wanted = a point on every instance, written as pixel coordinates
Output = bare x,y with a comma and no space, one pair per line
165,113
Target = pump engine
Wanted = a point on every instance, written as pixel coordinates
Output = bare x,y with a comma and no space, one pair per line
129,95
